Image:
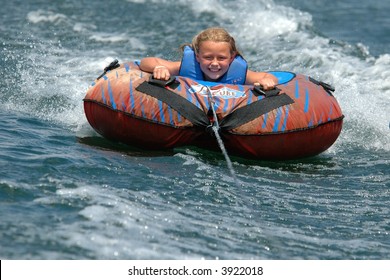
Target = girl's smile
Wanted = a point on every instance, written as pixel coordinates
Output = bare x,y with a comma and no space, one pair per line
214,59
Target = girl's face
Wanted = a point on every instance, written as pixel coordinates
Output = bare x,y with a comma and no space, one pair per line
214,59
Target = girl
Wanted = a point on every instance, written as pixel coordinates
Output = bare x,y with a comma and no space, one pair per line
212,56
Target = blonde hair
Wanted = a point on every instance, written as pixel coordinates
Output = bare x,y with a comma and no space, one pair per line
215,34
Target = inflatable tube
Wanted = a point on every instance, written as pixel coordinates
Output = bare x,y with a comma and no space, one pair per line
299,118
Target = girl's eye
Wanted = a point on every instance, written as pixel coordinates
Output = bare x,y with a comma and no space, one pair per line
219,58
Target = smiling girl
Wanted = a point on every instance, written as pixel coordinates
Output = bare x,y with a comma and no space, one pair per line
212,56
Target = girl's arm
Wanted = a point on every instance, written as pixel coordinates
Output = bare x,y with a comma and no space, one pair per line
162,69
266,80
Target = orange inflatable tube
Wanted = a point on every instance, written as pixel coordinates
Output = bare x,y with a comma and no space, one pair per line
299,118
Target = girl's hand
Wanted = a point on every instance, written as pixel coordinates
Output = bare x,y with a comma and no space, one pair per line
264,79
266,83
161,72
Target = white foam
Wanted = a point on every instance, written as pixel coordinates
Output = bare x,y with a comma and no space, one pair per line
202,6
364,95
109,37
136,1
45,16
83,27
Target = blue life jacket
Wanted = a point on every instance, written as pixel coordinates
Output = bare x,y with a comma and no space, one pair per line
190,68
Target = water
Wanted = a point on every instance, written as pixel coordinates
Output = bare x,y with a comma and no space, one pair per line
67,193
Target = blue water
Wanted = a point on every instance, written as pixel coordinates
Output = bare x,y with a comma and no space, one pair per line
67,193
